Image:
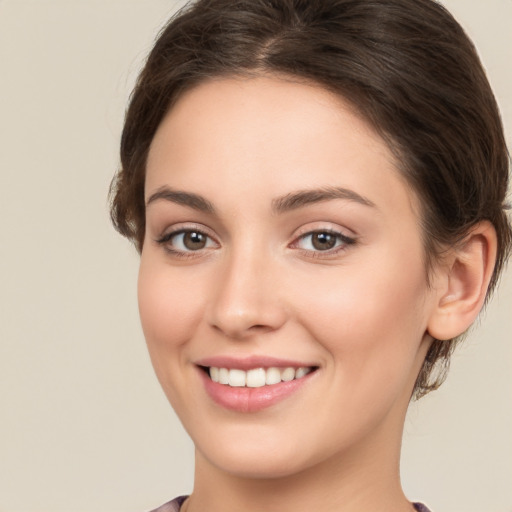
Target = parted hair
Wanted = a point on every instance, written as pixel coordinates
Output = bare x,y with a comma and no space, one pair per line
406,66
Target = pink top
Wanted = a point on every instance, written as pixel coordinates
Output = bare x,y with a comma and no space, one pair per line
175,505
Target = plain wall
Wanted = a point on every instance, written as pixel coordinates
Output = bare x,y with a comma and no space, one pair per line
83,423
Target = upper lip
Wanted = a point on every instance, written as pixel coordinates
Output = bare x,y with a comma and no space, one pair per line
251,362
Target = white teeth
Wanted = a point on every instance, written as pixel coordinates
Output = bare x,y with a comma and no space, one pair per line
214,374
237,378
273,376
288,374
301,372
223,375
257,377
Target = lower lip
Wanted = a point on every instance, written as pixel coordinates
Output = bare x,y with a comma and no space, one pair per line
243,399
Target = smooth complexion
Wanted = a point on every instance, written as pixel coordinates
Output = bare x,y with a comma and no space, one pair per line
280,234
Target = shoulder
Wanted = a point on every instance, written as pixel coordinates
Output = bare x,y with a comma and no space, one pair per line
419,507
171,506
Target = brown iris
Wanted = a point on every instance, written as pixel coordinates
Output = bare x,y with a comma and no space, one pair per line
194,241
323,241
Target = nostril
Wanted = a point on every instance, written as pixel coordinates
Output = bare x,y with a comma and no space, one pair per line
238,312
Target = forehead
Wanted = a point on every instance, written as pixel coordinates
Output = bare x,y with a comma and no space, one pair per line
268,135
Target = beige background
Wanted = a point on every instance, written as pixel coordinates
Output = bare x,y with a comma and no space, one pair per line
83,425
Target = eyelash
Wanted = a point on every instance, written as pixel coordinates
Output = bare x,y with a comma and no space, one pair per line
342,241
165,240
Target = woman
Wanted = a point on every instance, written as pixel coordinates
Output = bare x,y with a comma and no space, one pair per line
317,190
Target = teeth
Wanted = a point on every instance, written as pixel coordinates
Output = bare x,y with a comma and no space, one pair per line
237,378
301,372
223,376
288,374
257,377
273,376
214,374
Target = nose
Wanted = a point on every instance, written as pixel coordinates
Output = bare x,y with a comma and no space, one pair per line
247,300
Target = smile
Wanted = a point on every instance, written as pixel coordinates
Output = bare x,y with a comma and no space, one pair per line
255,383
256,377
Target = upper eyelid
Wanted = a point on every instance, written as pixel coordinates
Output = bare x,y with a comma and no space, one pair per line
167,234
328,227
347,239
341,235
301,232
182,227
164,241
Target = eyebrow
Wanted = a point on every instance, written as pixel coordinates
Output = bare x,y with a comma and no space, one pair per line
194,201
288,202
302,198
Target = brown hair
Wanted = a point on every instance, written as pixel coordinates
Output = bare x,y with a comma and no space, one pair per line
406,66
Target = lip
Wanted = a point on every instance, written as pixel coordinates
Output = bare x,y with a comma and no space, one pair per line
245,399
251,362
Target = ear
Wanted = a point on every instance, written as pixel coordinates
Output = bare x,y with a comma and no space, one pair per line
461,285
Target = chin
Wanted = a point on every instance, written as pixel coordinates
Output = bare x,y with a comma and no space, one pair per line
251,457
258,465
260,455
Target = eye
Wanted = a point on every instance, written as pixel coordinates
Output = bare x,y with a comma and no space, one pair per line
323,241
186,240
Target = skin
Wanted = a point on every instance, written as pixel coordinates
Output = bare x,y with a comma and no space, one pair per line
361,312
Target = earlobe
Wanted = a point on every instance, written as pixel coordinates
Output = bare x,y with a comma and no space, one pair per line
463,283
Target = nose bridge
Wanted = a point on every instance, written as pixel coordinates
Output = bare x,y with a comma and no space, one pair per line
246,300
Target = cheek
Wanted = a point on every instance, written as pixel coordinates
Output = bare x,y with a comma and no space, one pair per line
369,315
371,328
169,305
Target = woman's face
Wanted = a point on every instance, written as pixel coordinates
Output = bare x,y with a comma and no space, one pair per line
281,243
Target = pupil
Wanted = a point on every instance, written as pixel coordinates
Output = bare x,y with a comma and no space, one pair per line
194,241
323,241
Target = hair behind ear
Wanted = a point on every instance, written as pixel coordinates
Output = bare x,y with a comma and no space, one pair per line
461,281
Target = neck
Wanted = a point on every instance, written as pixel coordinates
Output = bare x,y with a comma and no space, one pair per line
367,478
